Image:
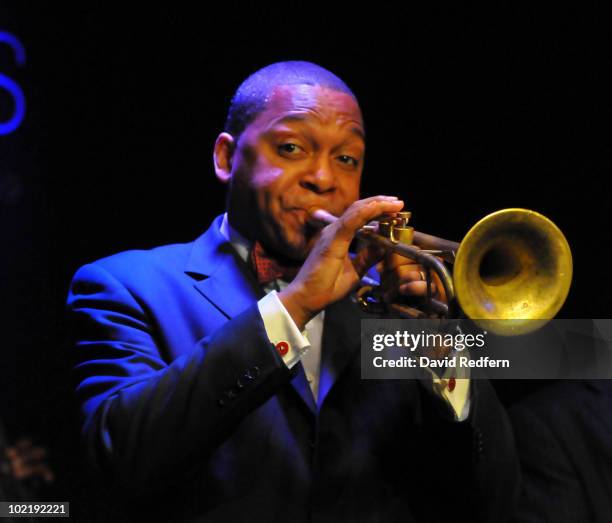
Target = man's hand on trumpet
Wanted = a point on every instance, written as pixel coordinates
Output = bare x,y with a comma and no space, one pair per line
401,276
329,273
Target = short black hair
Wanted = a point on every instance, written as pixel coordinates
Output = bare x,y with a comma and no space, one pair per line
251,97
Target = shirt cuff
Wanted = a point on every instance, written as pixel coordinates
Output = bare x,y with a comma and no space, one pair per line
282,331
454,388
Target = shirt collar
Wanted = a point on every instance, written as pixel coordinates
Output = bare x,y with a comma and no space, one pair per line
239,242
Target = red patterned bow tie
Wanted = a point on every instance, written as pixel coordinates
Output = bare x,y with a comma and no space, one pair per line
269,269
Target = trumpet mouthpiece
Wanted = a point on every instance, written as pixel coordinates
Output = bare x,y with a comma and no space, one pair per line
321,217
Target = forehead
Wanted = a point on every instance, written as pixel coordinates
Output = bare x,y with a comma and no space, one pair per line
311,103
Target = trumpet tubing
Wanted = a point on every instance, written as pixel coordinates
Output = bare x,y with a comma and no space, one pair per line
514,265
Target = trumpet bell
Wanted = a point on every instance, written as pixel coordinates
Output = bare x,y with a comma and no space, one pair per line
513,271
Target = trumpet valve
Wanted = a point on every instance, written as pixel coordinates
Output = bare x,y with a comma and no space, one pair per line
396,228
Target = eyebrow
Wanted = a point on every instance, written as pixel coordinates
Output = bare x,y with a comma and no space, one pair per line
302,117
358,132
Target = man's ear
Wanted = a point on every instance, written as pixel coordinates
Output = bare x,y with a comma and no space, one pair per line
222,156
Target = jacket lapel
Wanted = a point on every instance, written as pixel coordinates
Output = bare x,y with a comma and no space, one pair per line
223,278
228,284
340,344
302,387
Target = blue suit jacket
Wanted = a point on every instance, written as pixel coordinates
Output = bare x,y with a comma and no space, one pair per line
182,395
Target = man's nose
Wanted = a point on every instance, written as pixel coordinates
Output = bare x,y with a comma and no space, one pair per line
320,179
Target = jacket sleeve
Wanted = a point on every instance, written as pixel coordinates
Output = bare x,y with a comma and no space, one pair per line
145,420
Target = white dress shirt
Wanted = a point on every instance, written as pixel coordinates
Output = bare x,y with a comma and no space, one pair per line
305,346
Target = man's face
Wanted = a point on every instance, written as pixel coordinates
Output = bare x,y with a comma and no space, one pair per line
304,151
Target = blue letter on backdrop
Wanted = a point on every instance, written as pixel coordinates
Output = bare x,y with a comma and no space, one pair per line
11,86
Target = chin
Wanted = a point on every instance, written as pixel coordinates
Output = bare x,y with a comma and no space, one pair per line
296,251
299,245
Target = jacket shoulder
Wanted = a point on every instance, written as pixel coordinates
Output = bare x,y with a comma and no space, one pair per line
140,265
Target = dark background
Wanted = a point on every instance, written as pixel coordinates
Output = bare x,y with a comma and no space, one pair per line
467,111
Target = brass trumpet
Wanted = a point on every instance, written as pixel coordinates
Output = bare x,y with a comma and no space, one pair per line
513,265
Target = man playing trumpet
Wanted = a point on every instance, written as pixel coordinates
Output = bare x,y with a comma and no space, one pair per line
225,373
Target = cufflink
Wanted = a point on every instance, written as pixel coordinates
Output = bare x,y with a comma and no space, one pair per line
282,347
